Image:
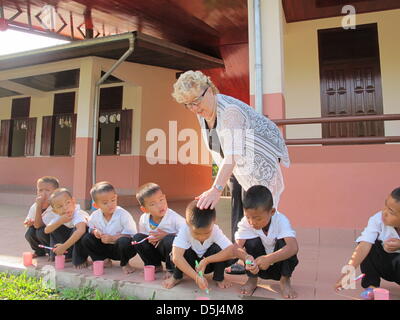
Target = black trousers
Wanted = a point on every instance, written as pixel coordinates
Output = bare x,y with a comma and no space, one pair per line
77,252
255,248
218,268
152,255
380,264
237,204
35,237
121,251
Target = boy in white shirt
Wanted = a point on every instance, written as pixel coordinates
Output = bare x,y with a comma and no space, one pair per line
378,249
67,228
39,215
111,229
266,242
200,240
160,223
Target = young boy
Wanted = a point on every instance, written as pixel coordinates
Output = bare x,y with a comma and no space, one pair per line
266,240
67,228
378,249
111,229
200,240
159,222
39,215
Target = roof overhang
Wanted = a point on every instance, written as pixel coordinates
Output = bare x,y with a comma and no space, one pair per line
147,50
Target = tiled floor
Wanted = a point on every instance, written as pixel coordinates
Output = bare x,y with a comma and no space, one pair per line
322,254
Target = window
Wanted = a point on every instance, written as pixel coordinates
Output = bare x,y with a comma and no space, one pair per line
17,135
115,124
58,130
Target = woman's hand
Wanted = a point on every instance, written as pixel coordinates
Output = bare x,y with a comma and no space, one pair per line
208,199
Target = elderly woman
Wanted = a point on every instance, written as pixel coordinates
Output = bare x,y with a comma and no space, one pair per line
241,141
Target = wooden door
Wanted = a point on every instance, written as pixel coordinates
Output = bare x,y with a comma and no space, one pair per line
350,78
351,89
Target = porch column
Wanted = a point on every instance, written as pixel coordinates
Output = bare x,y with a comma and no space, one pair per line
272,29
89,74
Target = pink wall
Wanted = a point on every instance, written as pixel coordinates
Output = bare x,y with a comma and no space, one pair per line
338,186
25,171
121,171
177,181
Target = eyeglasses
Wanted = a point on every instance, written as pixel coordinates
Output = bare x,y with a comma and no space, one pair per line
196,101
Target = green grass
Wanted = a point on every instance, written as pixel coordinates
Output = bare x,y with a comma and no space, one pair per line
90,293
23,287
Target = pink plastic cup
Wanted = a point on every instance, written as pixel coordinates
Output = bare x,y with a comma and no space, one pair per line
149,273
98,268
381,294
60,262
202,298
27,258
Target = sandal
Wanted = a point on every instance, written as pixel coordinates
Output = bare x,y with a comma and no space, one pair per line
235,269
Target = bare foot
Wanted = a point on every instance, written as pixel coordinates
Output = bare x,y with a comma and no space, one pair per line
224,284
107,263
159,269
249,287
170,282
128,269
83,265
286,288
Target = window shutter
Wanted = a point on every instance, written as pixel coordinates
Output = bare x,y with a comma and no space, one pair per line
47,129
30,137
5,137
125,139
73,135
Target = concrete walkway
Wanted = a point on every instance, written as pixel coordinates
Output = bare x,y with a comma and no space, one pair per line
322,254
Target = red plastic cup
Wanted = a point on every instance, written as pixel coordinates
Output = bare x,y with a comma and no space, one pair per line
98,268
149,273
381,294
27,258
60,262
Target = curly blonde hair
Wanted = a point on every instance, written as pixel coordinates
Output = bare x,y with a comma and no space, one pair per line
191,85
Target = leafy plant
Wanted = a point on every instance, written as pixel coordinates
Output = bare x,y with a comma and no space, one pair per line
22,287
90,293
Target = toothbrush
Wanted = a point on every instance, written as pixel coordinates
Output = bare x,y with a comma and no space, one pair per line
201,275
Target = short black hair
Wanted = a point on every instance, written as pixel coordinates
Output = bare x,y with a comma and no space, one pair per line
100,187
58,192
258,197
396,194
145,191
199,218
51,180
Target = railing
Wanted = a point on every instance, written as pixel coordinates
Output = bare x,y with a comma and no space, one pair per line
352,140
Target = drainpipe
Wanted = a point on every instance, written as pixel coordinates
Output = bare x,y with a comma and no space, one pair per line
258,57
97,103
